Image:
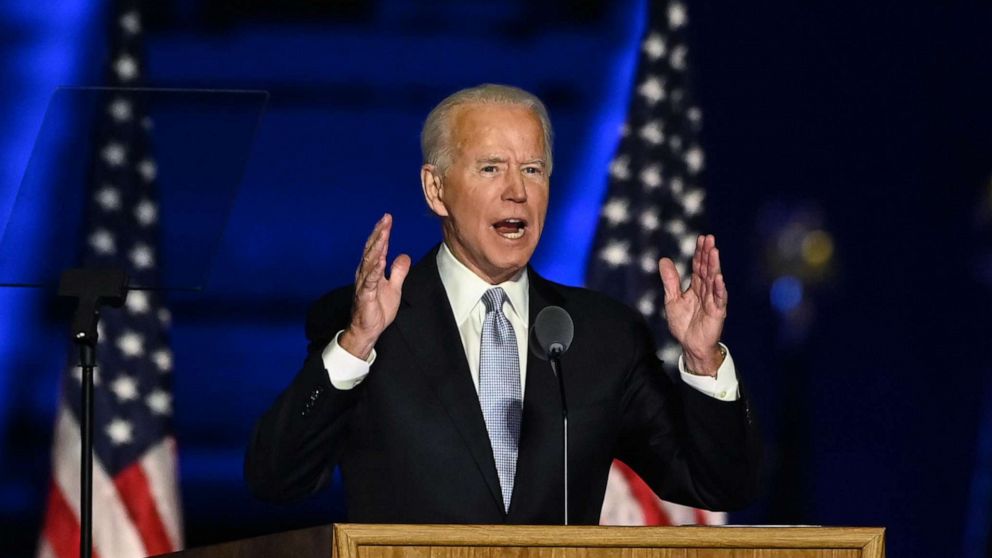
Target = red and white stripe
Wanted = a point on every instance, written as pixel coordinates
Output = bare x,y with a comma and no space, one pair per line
135,514
630,501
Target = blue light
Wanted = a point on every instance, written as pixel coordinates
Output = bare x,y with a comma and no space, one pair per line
786,293
568,237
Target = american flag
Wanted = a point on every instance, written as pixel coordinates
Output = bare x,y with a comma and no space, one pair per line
653,208
136,509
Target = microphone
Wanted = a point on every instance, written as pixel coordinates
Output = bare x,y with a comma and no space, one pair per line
552,335
553,331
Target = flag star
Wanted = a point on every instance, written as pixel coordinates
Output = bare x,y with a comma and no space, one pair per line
163,360
687,245
126,67
677,16
653,90
131,344
615,211
114,154
136,302
147,170
694,159
675,227
675,142
146,123
146,213
651,176
649,262
624,130
120,431
160,402
652,133
620,168
654,46
676,184
125,388
678,57
120,110
649,220
164,316
694,115
103,242
141,256
693,201
646,304
109,198
616,253
130,22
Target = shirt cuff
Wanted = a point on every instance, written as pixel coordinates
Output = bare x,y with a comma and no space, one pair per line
343,368
723,387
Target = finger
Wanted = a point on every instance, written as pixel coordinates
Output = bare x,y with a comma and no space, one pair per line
398,271
373,264
714,262
369,243
720,295
670,279
697,257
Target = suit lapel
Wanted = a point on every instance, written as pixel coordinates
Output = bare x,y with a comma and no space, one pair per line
427,323
539,466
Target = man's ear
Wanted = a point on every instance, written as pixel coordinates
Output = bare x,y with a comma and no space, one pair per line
430,183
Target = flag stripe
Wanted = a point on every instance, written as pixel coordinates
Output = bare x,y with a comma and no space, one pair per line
161,464
61,534
644,496
45,549
113,534
132,486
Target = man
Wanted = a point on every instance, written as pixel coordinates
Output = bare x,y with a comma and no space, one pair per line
421,385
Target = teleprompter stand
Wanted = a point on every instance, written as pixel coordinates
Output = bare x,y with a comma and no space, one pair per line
92,288
101,152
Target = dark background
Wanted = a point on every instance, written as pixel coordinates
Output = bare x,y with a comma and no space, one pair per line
870,121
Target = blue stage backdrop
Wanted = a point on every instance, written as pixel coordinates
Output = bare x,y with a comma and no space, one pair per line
848,175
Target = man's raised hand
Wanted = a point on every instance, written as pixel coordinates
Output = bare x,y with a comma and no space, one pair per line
376,298
696,315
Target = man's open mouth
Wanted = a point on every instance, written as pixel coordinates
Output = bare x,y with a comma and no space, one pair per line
510,228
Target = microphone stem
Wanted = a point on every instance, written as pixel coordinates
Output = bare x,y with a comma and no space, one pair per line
556,367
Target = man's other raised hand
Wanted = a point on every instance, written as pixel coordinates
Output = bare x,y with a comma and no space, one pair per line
377,298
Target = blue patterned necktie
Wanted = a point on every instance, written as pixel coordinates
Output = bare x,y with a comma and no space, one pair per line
499,389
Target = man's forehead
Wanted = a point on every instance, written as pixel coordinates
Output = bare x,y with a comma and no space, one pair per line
476,125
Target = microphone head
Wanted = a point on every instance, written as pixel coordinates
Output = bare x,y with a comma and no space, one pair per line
552,332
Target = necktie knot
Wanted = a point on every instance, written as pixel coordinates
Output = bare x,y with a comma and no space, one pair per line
493,299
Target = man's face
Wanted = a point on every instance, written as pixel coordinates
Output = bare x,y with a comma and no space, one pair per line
494,195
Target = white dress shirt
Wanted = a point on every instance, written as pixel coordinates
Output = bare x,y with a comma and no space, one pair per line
465,289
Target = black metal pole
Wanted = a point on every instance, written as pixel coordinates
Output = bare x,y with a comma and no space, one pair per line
87,363
556,367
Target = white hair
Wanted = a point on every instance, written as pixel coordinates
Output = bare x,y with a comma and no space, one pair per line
435,138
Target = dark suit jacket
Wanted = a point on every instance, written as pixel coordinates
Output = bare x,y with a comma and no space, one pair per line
412,443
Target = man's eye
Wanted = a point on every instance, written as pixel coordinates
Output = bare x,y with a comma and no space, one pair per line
489,168
533,170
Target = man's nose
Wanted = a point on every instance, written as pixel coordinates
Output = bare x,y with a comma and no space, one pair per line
516,189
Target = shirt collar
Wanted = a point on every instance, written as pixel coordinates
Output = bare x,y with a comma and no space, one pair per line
465,288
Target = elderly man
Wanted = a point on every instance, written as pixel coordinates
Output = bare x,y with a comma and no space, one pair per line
422,388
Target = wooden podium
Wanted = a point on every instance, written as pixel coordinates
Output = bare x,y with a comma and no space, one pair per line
484,541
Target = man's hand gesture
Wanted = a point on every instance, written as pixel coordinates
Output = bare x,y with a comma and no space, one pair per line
376,298
696,315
